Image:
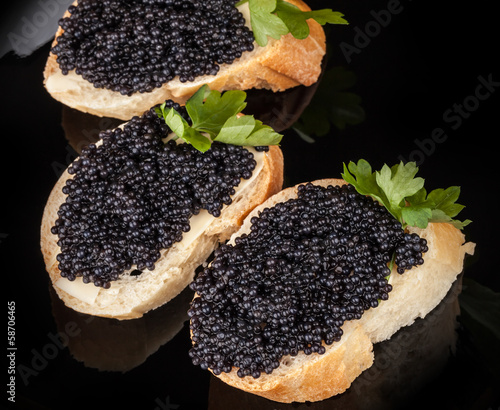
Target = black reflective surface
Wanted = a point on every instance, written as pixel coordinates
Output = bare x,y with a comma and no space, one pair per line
406,80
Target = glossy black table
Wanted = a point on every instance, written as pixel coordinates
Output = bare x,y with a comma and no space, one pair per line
404,81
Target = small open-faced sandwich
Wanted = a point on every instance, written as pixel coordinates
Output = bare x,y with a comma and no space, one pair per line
119,58
290,308
130,220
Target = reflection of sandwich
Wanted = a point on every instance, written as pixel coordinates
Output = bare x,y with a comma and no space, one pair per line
81,129
278,110
111,345
131,219
121,58
403,366
319,273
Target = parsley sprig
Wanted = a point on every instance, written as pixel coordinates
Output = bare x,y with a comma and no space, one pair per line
216,117
275,18
403,195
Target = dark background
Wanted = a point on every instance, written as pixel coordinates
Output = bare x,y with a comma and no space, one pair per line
394,90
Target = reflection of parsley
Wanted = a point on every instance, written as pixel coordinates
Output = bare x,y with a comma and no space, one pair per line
331,105
275,18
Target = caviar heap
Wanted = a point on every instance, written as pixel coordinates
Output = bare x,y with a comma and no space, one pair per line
306,266
137,45
133,196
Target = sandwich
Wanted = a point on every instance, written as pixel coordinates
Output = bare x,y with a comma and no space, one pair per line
119,58
129,221
290,308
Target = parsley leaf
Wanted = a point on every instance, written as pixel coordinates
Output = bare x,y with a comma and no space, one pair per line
264,22
209,110
398,183
275,18
296,19
444,207
365,183
404,195
181,128
237,130
263,133
216,117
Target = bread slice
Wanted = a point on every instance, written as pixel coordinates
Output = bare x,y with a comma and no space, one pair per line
282,64
132,296
415,293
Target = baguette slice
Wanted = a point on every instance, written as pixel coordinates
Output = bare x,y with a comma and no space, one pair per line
282,64
415,293
132,296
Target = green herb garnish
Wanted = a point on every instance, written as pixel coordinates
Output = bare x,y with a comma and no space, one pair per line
403,195
215,117
275,18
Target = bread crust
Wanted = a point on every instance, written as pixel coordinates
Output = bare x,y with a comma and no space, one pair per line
280,65
317,377
134,296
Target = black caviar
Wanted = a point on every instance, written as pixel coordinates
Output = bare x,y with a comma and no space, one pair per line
132,196
137,45
307,265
